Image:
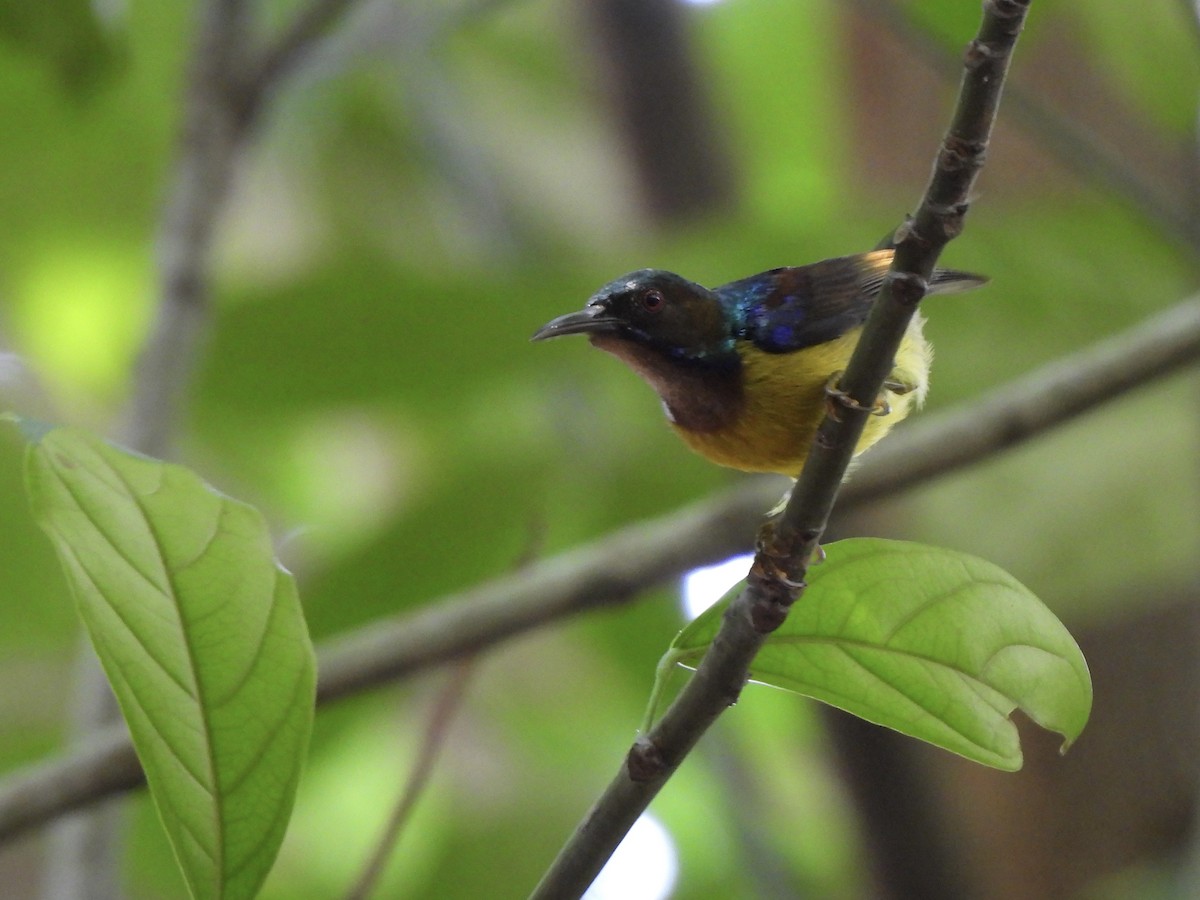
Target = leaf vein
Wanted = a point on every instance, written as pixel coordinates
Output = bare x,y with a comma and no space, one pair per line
118,611
144,708
118,549
913,700
186,642
945,596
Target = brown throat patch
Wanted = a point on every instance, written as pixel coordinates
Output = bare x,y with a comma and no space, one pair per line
697,397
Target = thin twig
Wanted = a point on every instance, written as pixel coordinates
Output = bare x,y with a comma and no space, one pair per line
279,58
84,850
215,123
444,708
627,562
776,577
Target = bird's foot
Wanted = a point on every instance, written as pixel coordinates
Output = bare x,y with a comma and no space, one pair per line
836,399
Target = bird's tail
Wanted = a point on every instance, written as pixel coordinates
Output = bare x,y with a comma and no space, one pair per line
952,281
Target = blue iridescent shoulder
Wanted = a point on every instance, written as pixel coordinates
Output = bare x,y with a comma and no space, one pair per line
787,309
770,309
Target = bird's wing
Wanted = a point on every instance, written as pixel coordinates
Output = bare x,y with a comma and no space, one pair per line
791,308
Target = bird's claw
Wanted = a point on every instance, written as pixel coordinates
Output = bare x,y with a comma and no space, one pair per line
838,399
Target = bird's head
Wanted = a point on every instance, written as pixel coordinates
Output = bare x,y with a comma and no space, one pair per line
651,310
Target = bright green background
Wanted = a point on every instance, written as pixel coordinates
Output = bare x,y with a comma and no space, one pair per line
368,380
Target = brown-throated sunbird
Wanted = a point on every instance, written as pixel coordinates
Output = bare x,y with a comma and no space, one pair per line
743,369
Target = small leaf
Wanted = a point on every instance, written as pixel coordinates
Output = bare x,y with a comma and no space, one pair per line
202,637
933,643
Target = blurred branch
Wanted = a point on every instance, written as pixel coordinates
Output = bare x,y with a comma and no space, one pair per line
413,37
279,58
441,119
1191,12
224,97
610,571
909,852
1078,149
747,791
216,118
21,389
444,707
82,862
100,766
625,563
657,97
776,578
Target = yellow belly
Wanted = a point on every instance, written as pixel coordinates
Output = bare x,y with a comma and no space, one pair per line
785,403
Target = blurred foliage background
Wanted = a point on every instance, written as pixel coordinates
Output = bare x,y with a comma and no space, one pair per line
439,180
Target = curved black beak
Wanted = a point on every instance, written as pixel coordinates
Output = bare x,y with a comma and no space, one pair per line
589,320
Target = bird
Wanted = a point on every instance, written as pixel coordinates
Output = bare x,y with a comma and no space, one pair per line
745,370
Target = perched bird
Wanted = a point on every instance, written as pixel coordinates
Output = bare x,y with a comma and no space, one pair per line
742,370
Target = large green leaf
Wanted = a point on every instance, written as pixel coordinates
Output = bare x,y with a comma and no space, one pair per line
202,637
934,643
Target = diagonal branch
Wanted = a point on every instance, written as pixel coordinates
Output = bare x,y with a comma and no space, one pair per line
445,706
215,121
776,577
307,28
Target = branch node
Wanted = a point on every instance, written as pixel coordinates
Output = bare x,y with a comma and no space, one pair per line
905,231
910,233
1007,9
959,154
776,576
980,53
909,289
773,597
645,762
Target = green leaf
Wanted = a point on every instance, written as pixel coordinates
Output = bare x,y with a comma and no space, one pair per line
202,637
936,644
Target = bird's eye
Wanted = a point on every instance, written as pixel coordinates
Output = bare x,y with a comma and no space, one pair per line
653,300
